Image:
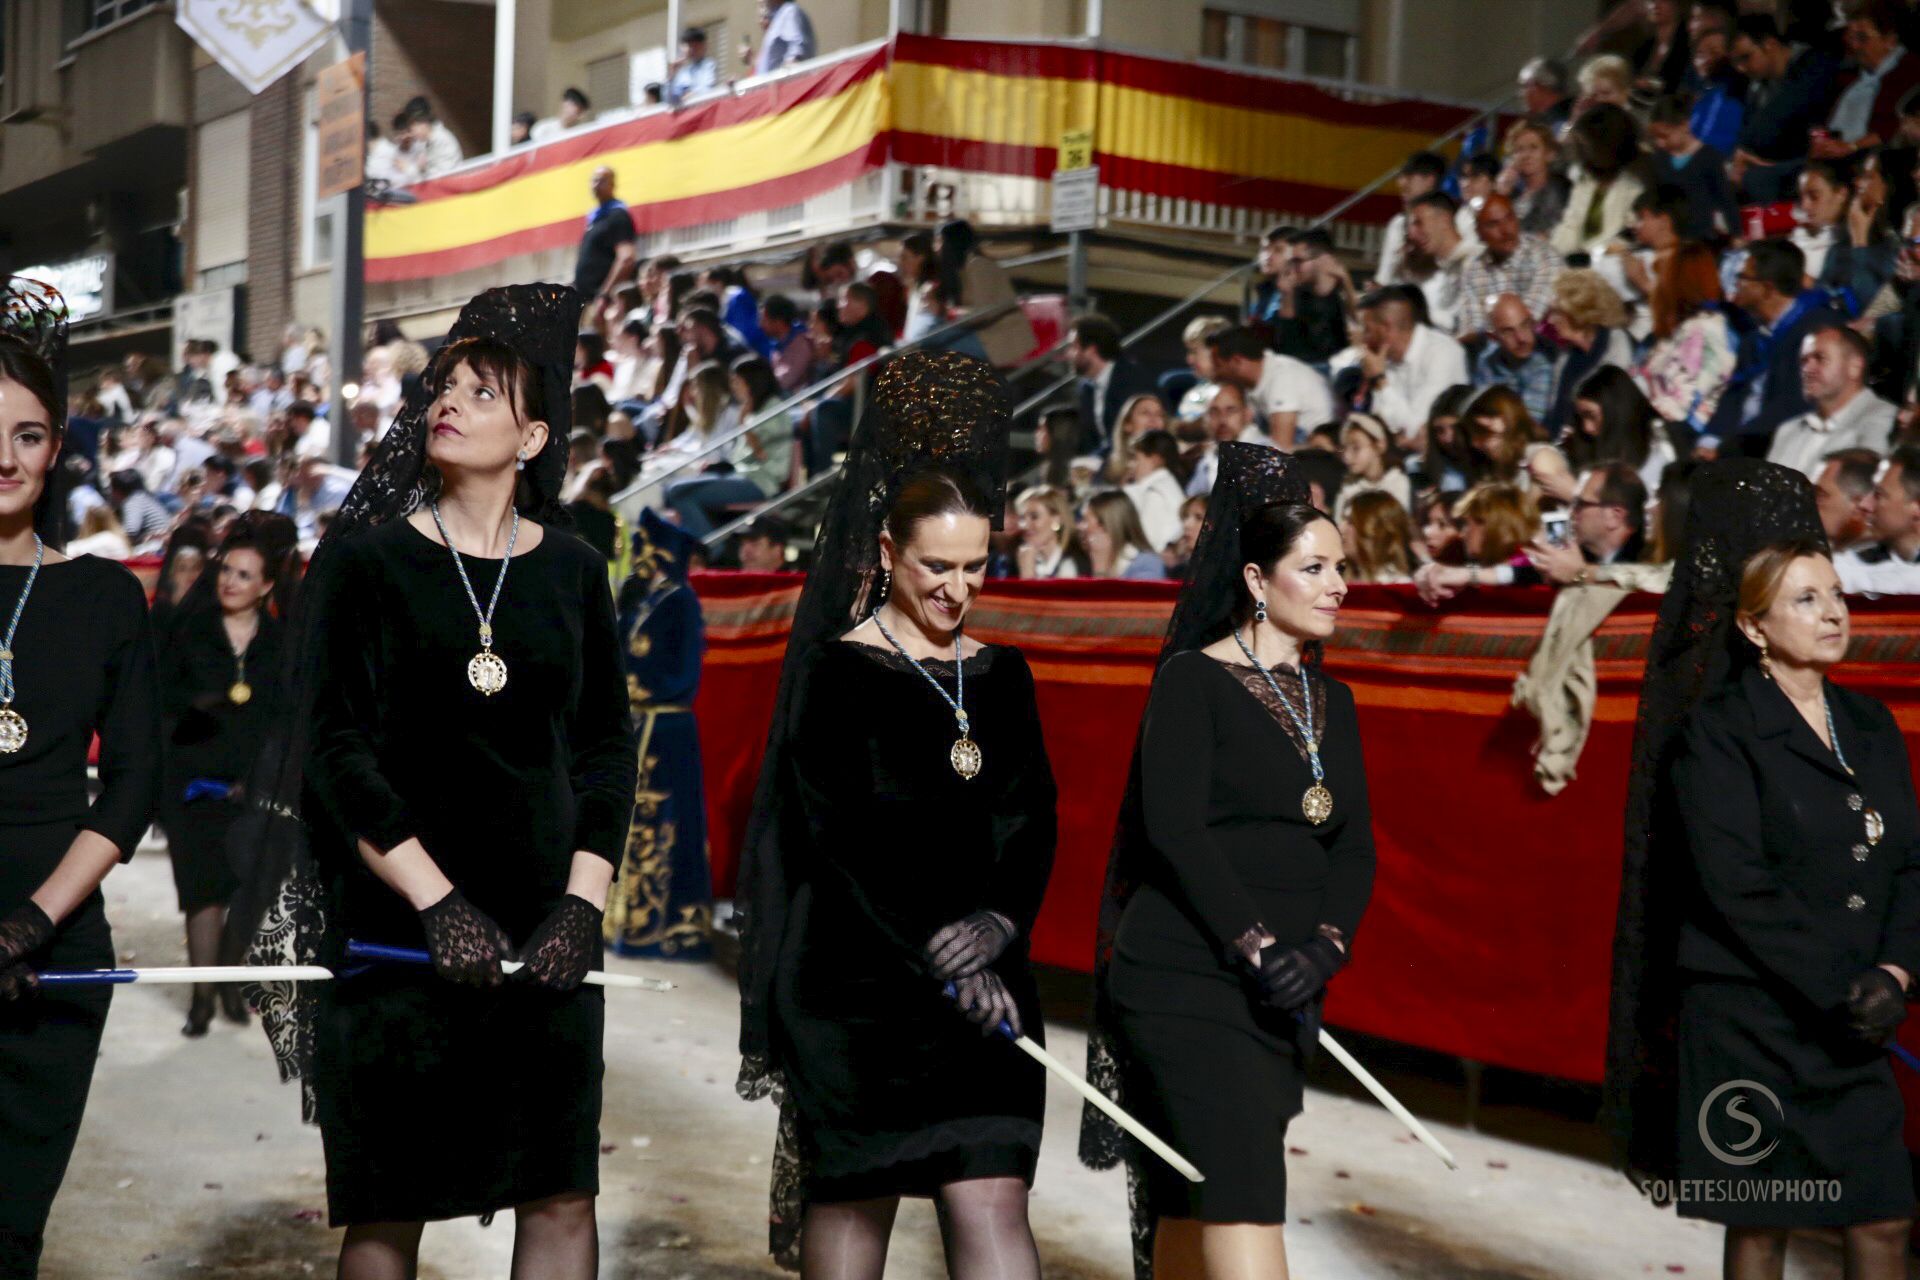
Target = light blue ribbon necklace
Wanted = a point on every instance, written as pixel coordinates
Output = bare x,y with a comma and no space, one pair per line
1317,802
964,755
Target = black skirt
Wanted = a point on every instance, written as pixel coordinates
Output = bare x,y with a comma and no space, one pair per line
442,1101
197,844
1838,1157
49,1042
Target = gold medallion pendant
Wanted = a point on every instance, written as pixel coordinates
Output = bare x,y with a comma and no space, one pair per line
13,731
487,672
240,694
1317,804
965,758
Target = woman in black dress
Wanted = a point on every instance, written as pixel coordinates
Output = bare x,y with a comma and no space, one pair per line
1242,866
468,783
903,838
78,661
217,667
1768,940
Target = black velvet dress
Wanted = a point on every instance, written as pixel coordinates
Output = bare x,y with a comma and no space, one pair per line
894,1091
210,737
1208,1067
437,1100
83,664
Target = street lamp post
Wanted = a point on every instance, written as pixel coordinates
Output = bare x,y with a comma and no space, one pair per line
348,302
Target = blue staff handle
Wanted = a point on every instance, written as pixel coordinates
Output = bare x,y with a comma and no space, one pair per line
1905,1055
1005,1028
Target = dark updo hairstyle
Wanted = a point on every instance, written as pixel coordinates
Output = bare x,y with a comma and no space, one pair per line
938,490
1266,537
20,363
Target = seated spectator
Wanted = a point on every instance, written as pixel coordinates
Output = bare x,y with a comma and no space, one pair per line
1156,486
1709,209
1108,378
1115,542
628,359
1504,440
102,535
575,110
1691,359
1716,88
1608,526
1790,90
315,490
1606,145
1479,177
1324,473
590,363
1193,514
1229,418
1765,392
1139,415
937,313
380,151
1658,215
1444,460
1614,423
739,306
1538,191
762,545
1867,111
705,413
1057,440
1891,564
756,466
1664,59
1605,81
1843,414
857,332
147,455
1049,546
142,517
1404,364
1589,321
1509,261
1438,540
1543,93
1497,522
594,521
790,351
1366,447
1843,493
1850,257
1432,228
1422,172
1289,398
1303,302
1514,358
1377,535
978,283
1192,403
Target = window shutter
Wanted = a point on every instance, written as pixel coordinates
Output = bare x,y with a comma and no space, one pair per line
220,193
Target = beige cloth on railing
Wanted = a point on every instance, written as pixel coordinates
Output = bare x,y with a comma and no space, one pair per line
1559,685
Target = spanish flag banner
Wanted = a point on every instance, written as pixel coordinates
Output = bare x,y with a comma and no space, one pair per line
1162,128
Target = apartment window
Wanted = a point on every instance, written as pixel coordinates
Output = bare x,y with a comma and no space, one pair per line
316,216
1277,43
221,157
96,14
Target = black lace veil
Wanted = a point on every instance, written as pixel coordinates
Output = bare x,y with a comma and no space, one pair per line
1739,506
925,408
1251,477
278,915
36,314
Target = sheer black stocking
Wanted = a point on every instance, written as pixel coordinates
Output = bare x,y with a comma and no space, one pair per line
1877,1250
556,1239
846,1241
203,948
1754,1253
381,1251
983,1223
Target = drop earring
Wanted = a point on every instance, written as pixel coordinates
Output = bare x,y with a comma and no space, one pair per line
519,462
886,585
1766,661
1260,611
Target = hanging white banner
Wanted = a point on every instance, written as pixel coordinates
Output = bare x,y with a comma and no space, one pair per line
257,41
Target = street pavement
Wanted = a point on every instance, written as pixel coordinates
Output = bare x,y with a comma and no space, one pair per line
193,1163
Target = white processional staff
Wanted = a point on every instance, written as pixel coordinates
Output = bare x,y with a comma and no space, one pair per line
264,973
1387,1100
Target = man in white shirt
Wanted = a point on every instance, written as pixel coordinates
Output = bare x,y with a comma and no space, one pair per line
1843,495
575,110
1405,365
1431,228
1844,414
434,149
693,71
1891,565
1420,174
786,36
1287,396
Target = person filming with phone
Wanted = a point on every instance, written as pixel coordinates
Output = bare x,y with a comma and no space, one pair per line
1607,525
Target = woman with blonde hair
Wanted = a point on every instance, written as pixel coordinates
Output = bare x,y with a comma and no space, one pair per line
1194,402
1140,414
1049,547
1116,544
1605,79
1538,193
1590,319
706,408
1497,521
1378,538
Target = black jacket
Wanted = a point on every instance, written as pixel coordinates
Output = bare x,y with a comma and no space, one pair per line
1787,889
1128,380
1780,399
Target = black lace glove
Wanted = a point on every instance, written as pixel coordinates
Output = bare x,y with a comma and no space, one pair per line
1876,1006
987,1002
561,952
16,980
466,945
23,932
969,945
1290,977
